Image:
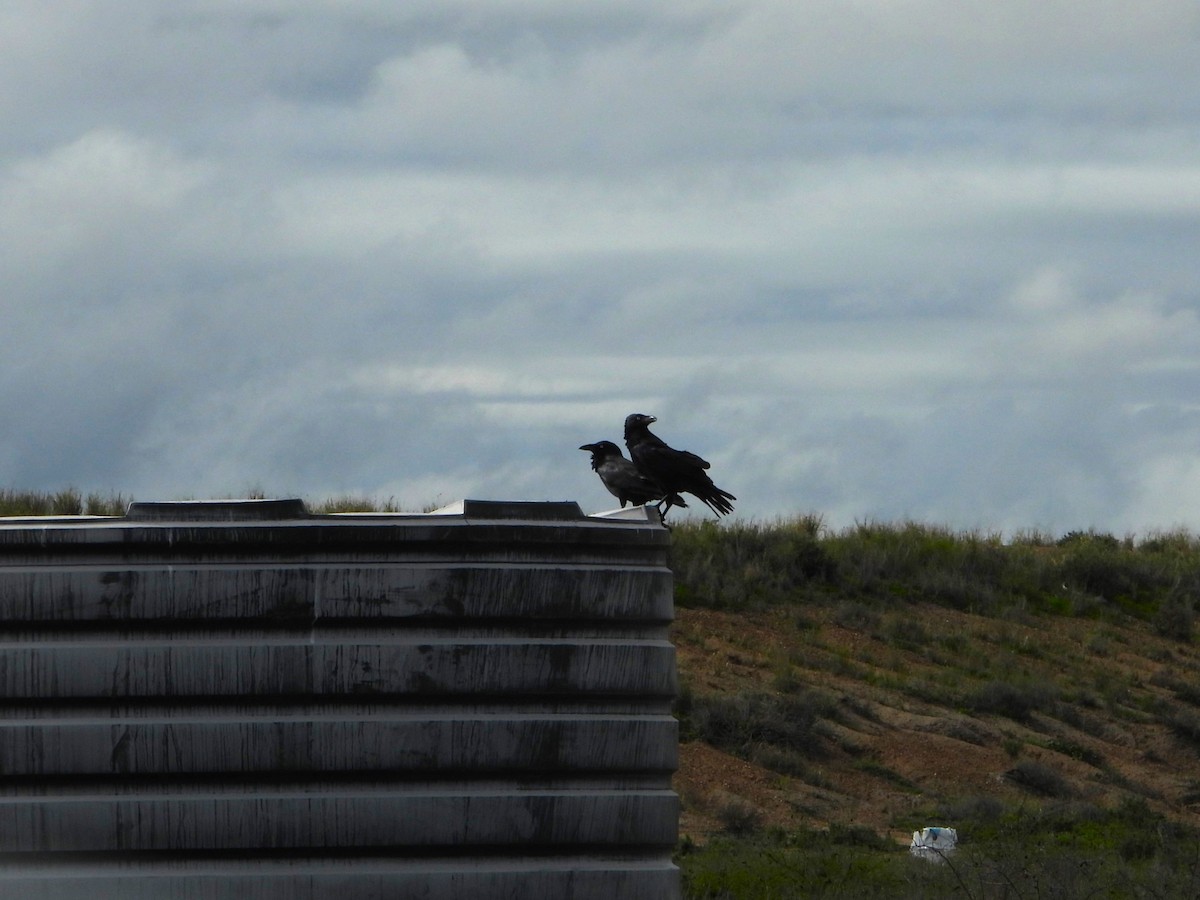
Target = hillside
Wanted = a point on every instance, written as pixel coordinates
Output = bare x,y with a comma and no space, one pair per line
875,681
890,718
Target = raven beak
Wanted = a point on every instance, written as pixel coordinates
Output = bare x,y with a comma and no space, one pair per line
588,447
652,418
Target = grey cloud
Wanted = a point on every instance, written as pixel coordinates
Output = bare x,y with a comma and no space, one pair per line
871,261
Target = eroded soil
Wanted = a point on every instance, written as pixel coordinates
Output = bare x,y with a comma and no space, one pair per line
902,739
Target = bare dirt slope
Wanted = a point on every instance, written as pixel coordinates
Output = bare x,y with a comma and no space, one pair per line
917,715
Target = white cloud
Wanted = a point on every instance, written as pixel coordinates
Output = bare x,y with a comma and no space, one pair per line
1167,490
1058,330
102,187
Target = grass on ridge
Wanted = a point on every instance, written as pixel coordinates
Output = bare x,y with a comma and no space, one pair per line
739,565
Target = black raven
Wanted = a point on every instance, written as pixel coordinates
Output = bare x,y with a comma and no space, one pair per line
622,477
676,471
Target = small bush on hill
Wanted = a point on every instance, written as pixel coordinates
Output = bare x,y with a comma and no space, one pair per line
741,723
738,565
1040,779
1015,701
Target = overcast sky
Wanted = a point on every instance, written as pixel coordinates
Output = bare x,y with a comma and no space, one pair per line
876,260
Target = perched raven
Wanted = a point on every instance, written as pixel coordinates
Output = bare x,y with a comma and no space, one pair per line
622,477
676,471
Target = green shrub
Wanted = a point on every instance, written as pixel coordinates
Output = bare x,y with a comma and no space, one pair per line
1185,723
740,723
787,761
739,565
738,815
1014,701
1076,751
1134,580
354,503
1176,619
969,812
1040,779
856,616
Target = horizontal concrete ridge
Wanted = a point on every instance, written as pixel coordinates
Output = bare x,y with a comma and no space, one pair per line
525,819
589,877
412,743
104,590
179,528
518,511
187,665
292,508
216,510
243,699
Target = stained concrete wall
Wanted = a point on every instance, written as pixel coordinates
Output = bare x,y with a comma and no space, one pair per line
240,699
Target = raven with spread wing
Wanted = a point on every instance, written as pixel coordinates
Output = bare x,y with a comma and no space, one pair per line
675,471
622,478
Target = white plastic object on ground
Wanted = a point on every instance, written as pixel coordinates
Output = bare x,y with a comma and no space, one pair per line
933,843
